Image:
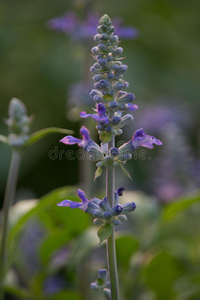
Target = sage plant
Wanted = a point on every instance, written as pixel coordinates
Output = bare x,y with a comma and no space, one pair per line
113,107
18,140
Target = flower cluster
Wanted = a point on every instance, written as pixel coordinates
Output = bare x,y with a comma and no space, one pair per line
102,283
18,123
101,209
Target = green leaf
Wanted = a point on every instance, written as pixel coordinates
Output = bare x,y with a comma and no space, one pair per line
161,273
126,246
4,139
125,172
75,221
106,137
67,295
183,203
98,173
104,232
82,246
38,135
54,241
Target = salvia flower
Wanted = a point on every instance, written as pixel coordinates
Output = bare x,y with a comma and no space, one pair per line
86,143
139,139
72,204
101,116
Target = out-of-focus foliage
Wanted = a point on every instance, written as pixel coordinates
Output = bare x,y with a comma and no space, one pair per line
55,253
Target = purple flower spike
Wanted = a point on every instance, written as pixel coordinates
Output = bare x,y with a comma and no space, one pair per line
83,205
142,139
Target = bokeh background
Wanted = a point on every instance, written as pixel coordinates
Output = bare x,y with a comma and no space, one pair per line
39,66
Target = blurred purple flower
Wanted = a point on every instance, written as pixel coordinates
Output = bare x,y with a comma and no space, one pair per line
29,244
78,30
175,173
53,284
157,115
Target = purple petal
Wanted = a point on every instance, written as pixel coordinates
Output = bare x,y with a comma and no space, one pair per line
100,120
70,140
82,196
101,110
127,32
142,139
132,107
83,114
64,203
120,191
85,133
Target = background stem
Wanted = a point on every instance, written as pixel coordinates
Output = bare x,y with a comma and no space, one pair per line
8,201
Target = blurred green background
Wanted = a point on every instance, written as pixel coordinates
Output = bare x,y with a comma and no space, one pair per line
38,66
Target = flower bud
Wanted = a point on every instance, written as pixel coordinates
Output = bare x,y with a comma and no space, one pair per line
107,215
116,210
115,121
121,85
129,207
122,218
113,104
126,98
114,152
121,70
114,39
97,214
95,153
103,84
104,204
95,50
116,222
91,207
125,120
118,51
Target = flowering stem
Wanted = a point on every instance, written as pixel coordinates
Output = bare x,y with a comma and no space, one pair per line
8,201
111,251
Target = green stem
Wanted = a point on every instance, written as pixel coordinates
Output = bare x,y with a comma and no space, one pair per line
111,251
8,201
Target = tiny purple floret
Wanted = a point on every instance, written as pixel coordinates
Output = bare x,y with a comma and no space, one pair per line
100,117
85,143
141,139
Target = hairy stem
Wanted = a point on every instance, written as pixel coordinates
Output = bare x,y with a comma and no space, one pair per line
111,251
8,201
